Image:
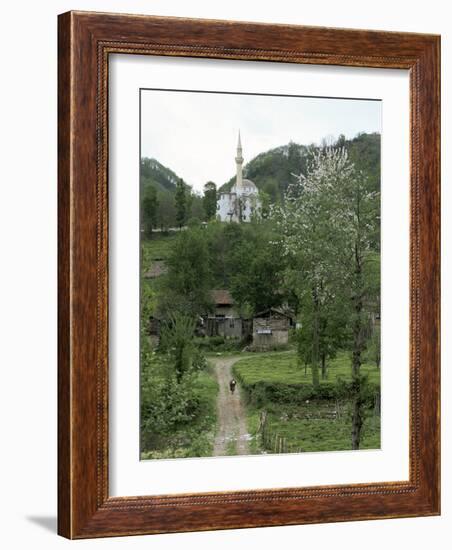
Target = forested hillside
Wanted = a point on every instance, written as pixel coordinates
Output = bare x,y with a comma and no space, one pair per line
155,174
272,171
167,201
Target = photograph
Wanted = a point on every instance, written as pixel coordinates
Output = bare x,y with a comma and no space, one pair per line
260,274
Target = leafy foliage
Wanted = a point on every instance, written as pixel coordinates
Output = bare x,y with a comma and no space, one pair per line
177,340
186,287
272,171
328,225
177,395
150,205
180,200
210,200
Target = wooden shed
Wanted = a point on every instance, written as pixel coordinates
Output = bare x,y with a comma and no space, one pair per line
270,329
223,303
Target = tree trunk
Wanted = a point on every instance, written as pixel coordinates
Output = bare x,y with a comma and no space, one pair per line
315,342
323,363
357,422
358,341
377,404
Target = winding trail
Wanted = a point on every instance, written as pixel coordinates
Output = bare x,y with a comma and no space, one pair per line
232,434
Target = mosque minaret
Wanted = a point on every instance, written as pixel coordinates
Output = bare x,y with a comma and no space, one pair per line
242,201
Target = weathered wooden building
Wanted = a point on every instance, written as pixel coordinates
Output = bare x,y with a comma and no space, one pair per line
224,321
223,303
270,329
228,327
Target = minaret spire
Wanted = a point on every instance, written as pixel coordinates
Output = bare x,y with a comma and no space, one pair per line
239,162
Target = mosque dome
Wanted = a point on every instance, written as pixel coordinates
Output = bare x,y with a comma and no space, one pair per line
248,187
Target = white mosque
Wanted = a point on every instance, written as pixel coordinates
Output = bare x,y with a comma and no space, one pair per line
242,201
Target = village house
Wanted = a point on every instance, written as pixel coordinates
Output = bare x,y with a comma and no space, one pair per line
223,303
224,321
270,329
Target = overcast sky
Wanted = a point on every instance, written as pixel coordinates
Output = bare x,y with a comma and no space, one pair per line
195,133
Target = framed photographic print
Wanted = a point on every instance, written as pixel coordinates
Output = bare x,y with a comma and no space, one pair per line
248,275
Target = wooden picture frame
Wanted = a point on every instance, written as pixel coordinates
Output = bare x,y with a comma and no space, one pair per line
85,42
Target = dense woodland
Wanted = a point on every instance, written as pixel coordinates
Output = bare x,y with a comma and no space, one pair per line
314,248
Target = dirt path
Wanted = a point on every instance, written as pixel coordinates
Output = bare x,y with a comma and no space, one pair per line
232,435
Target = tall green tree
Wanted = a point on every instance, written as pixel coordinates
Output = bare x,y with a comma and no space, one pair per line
189,199
177,339
180,201
186,287
210,200
305,224
149,210
328,224
222,240
356,225
197,207
256,279
166,214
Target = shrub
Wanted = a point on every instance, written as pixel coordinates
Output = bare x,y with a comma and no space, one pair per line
219,343
263,392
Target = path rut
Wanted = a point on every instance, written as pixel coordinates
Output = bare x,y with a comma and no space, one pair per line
232,428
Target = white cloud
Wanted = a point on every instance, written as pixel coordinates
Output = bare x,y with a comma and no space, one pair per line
195,133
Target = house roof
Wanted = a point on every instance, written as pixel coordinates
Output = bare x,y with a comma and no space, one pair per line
222,297
269,311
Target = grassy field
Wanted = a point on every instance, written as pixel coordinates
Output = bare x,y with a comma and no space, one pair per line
307,429
282,368
275,384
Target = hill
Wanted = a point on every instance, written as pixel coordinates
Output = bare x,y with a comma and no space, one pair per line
158,185
152,172
272,171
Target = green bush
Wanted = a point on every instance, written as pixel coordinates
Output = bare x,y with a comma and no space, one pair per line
261,393
178,419
219,343
273,379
